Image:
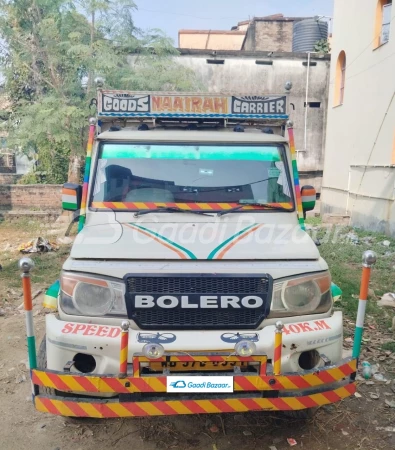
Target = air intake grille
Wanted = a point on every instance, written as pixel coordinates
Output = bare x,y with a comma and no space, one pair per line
193,287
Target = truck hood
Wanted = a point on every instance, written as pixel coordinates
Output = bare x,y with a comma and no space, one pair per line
194,241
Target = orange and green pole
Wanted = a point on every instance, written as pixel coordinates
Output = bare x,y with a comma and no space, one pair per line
92,128
26,265
123,355
368,260
295,174
278,345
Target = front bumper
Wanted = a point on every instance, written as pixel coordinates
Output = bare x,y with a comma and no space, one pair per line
140,395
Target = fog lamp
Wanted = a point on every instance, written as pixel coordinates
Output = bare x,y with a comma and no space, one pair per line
153,351
245,348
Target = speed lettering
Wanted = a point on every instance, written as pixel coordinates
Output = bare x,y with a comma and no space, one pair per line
91,330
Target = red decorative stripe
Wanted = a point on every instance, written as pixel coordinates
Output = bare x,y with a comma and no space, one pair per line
308,402
326,377
331,396
50,406
142,386
280,404
251,404
58,382
351,388
105,411
76,409
263,368
277,386
86,384
245,384
347,369
136,367
165,409
194,407
299,382
135,409
222,406
116,385
277,353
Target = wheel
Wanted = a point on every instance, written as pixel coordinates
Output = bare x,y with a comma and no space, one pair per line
42,364
301,414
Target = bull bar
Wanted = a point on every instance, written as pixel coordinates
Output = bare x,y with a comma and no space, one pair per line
137,394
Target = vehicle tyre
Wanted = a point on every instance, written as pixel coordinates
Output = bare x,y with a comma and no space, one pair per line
42,364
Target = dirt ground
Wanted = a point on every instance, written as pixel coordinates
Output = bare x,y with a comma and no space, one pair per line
363,422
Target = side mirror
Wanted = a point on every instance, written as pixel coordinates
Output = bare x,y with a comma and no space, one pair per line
71,197
309,196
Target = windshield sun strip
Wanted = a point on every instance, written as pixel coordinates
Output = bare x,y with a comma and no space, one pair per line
207,207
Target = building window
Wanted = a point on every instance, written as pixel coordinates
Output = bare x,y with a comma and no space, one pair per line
383,22
340,81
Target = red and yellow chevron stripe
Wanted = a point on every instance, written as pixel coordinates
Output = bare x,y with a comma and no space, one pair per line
278,344
123,354
190,206
105,384
113,408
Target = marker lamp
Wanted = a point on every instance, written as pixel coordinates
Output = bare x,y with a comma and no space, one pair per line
153,351
245,348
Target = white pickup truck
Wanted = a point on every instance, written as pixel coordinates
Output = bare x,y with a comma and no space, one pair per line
192,286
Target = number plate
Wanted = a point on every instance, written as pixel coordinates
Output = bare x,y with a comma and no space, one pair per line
199,366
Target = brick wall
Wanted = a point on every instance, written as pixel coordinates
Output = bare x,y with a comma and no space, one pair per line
9,178
34,197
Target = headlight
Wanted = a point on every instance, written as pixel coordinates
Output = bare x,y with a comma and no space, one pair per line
308,294
83,295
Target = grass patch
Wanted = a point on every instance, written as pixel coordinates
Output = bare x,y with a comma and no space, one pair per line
389,346
47,267
345,263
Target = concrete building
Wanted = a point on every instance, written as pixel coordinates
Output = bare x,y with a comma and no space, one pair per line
211,39
270,33
242,72
359,170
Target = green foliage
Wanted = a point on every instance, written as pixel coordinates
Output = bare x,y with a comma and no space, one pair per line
322,46
52,50
345,263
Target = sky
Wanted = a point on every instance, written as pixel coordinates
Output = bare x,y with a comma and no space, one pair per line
173,15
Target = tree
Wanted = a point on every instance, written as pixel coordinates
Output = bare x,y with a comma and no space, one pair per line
52,50
322,46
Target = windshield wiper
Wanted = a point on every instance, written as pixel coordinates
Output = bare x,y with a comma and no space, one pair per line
266,205
170,209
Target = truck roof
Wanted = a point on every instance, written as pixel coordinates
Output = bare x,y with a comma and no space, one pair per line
226,135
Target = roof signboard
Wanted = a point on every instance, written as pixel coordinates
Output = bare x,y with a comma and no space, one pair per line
126,104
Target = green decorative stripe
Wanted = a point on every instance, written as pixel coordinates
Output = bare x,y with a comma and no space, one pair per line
204,152
69,206
308,205
31,350
357,342
168,241
217,249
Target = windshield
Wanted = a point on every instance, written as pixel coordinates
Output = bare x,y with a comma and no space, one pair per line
204,177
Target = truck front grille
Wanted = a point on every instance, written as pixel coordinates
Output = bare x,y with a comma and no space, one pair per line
194,286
